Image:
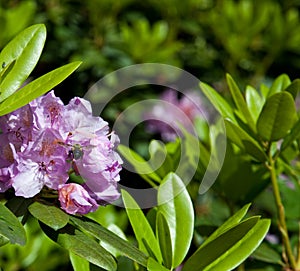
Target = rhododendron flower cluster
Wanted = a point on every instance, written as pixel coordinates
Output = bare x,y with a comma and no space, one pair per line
44,141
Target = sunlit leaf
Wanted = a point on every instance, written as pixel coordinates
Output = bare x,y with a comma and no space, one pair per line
23,52
231,248
240,102
279,84
175,204
37,88
141,226
218,101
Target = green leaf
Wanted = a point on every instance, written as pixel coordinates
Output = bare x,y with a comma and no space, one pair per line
230,248
229,223
218,101
176,206
293,135
37,88
87,248
24,50
49,215
79,263
10,227
240,102
164,239
239,137
108,237
140,165
254,102
152,265
141,226
277,116
280,83
266,254
81,245
294,88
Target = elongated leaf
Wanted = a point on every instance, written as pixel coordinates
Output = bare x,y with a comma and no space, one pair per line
10,227
240,102
175,204
88,249
49,215
81,245
141,226
239,137
25,50
152,265
78,263
229,223
37,88
164,239
108,237
231,248
254,101
140,165
218,101
277,116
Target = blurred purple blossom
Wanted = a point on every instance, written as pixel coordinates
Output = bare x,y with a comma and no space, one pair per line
43,142
172,112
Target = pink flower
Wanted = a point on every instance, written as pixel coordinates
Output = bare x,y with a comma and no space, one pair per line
74,199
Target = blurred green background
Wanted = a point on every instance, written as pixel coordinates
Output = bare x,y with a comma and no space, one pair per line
253,40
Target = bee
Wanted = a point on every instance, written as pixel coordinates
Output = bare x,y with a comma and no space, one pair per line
76,150
3,65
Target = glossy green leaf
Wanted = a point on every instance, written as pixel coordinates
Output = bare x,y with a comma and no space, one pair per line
230,248
141,226
78,263
164,239
10,227
229,223
37,88
175,204
277,116
141,166
24,50
82,245
87,248
108,237
152,265
279,84
240,102
49,215
239,137
218,101
254,102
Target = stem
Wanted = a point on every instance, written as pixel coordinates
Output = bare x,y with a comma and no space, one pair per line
281,214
